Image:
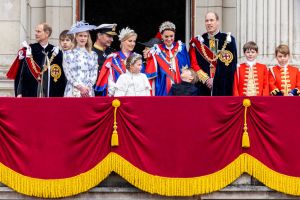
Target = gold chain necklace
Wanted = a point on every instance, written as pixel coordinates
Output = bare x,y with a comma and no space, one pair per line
214,57
34,64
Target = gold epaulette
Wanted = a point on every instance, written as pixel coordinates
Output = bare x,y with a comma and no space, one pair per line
203,77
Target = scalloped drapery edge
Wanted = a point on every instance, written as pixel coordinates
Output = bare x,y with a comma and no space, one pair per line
56,188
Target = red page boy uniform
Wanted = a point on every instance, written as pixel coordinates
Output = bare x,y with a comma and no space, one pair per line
284,81
251,79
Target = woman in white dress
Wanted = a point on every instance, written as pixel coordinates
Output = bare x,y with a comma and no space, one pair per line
133,82
80,64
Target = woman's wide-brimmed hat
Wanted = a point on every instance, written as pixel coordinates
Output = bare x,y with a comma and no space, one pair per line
81,27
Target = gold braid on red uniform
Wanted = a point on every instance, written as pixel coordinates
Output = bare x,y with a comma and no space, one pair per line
275,92
203,77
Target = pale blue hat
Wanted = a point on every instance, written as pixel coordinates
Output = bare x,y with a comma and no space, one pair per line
81,27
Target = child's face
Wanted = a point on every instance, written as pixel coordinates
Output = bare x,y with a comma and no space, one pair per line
250,54
66,43
186,76
136,67
282,59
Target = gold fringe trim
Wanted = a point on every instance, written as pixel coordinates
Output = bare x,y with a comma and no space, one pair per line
56,188
209,183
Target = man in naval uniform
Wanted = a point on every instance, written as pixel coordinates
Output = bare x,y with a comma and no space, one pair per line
105,37
214,58
37,70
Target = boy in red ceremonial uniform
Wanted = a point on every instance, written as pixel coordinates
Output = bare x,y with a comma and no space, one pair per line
284,80
251,77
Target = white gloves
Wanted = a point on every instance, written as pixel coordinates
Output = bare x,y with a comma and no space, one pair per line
55,50
28,49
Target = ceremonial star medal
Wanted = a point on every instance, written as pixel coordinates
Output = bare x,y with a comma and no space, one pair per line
226,57
55,72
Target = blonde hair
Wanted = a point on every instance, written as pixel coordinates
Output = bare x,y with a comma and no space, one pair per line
193,74
126,33
89,43
131,60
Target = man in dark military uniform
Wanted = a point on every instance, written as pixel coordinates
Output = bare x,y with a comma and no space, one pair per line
214,58
105,36
38,68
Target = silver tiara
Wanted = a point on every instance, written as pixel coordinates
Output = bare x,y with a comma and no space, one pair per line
125,32
167,25
135,57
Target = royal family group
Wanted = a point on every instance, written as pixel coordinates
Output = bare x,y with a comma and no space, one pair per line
81,68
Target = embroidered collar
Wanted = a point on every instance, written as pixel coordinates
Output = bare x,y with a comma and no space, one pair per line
98,47
212,36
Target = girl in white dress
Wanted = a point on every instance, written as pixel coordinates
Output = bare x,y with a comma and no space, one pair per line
115,64
133,82
81,63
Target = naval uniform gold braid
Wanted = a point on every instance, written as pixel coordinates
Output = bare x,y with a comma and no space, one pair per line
215,57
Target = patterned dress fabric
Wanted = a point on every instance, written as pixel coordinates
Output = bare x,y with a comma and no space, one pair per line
81,69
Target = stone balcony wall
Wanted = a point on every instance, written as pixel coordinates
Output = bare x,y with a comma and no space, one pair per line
116,188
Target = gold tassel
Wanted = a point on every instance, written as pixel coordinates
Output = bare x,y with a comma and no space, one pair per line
115,138
245,138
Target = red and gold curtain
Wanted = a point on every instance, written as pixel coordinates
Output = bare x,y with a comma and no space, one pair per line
175,146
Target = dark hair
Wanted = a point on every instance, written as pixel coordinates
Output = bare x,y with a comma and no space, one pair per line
47,28
283,48
250,46
64,34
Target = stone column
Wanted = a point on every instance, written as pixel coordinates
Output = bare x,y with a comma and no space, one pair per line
296,30
202,7
59,14
36,15
226,9
268,23
13,28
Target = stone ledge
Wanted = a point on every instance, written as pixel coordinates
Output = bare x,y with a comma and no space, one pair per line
116,188
112,193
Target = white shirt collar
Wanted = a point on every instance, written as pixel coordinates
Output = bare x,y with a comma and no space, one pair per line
251,63
170,48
